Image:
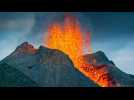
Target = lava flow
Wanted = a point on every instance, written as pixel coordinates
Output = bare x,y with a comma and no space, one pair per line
68,38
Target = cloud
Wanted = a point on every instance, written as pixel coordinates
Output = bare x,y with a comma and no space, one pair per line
17,23
13,31
7,46
124,58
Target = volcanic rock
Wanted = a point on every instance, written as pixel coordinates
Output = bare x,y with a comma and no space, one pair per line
11,77
114,75
47,67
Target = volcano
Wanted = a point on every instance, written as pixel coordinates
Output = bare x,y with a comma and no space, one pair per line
45,67
61,61
69,38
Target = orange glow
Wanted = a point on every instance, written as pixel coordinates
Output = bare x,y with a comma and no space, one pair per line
68,38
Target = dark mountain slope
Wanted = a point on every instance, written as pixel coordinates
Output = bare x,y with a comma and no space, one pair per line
11,77
100,60
47,67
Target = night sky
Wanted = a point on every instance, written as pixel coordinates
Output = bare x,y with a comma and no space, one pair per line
111,32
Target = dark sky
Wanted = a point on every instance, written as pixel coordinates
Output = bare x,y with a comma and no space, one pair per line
111,32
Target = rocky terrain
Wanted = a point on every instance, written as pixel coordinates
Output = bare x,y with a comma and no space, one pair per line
43,67
114,75
46,67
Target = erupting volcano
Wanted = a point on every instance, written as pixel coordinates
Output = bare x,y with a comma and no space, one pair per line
66,59
68,38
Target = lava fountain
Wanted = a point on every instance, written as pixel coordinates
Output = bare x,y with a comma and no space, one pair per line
68,38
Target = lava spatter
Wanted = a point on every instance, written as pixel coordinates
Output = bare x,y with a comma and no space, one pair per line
68,38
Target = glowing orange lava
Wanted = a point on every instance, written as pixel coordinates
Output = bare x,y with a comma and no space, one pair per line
68,38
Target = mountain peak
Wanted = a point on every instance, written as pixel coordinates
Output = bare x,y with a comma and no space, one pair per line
100,52
41,47
25,47
25,44
98,57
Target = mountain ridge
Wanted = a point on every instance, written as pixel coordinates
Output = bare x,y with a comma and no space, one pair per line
52,67
11,77
47,67
120,78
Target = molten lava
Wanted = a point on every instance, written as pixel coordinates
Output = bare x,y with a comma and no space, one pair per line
68,38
